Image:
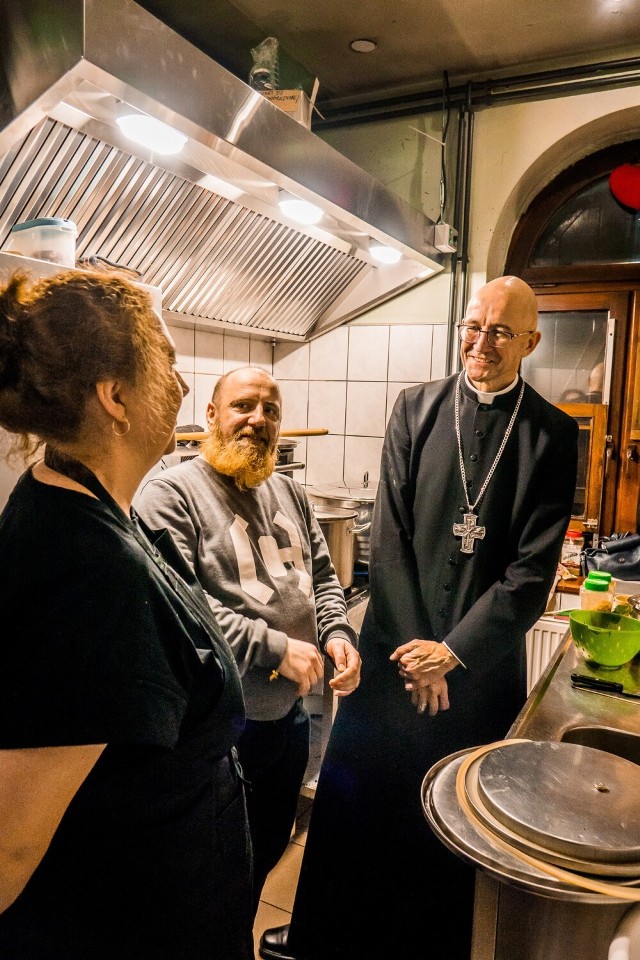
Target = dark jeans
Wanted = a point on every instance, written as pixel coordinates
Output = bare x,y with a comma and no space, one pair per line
274,756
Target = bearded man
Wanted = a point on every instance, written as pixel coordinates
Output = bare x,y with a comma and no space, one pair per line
253,541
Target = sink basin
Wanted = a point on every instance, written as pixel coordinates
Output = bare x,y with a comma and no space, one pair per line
618,742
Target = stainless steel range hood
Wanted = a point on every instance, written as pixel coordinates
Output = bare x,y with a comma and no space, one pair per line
204,226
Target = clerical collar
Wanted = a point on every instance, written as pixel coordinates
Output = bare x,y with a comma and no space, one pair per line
489,397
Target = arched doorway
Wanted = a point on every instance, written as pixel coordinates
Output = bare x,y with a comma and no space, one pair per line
580,251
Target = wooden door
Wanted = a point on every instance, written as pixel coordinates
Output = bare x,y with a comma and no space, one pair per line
627,513
592,449
598,325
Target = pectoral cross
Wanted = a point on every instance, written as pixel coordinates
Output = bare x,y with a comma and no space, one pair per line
469,531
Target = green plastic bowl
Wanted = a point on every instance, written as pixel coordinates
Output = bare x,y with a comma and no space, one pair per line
606,639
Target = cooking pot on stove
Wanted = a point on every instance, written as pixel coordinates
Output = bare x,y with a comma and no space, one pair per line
338,526
360,499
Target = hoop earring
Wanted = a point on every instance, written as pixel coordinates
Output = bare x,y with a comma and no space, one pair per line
125,423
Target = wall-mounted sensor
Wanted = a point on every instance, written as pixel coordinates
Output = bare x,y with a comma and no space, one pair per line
445,238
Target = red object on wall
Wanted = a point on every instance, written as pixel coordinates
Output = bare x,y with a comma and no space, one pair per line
624,183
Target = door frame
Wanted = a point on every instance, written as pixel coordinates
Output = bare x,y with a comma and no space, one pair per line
620,300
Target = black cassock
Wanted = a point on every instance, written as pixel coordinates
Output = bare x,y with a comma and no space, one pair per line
375,882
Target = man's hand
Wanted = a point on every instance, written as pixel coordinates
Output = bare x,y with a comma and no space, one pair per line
302,663
347,662
435,697
423,665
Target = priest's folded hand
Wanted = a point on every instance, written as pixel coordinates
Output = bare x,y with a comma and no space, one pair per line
422,662
434,697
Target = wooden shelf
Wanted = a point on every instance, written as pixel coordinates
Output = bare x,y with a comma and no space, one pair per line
569,586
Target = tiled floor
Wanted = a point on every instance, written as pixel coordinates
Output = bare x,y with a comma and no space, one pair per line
279,890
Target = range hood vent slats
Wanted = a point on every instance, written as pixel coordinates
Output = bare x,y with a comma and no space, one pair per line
204,226
227,252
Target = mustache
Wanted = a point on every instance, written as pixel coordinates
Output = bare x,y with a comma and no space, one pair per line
249,433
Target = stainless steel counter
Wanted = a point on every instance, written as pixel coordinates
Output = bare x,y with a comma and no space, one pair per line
555,708
522,913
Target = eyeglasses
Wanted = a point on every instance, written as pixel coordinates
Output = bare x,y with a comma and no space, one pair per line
495,338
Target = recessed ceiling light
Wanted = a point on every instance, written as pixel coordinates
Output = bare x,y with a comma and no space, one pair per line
363,46
384,254
300,210
151,133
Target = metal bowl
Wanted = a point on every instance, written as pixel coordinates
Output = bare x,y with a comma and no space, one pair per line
629,606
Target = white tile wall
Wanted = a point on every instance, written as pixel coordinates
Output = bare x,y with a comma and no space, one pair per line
185,414
366,406
368,353
328,355
361,455
439,352
325,459
291,361
201,396
295,400
261,354
327,404
183,337
410,353
345,381
235,352
209,352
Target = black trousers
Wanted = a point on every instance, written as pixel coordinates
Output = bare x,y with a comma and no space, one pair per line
375,882
274,756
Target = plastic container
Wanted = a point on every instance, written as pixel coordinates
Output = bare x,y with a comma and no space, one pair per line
605,639
600,575
48,238
596,593
572,548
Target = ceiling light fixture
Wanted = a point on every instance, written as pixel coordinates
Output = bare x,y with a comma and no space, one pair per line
300,210
151,133
363,46
386,255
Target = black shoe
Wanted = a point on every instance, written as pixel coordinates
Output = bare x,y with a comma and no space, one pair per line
273,944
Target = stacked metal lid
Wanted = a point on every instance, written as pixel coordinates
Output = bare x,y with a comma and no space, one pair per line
522,805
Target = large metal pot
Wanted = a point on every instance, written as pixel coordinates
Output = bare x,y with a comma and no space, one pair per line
337,525
360,499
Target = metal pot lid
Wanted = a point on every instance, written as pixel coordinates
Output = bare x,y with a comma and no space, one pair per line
340,491
327,514
572,800
445,816
623,872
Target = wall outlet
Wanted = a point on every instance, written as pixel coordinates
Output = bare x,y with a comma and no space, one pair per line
445,238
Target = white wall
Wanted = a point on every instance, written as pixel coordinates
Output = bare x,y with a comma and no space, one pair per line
520,148
345,381
517,150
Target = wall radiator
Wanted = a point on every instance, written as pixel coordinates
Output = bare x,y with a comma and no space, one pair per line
542,642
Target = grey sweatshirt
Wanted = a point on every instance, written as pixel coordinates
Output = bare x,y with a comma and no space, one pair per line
262,559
